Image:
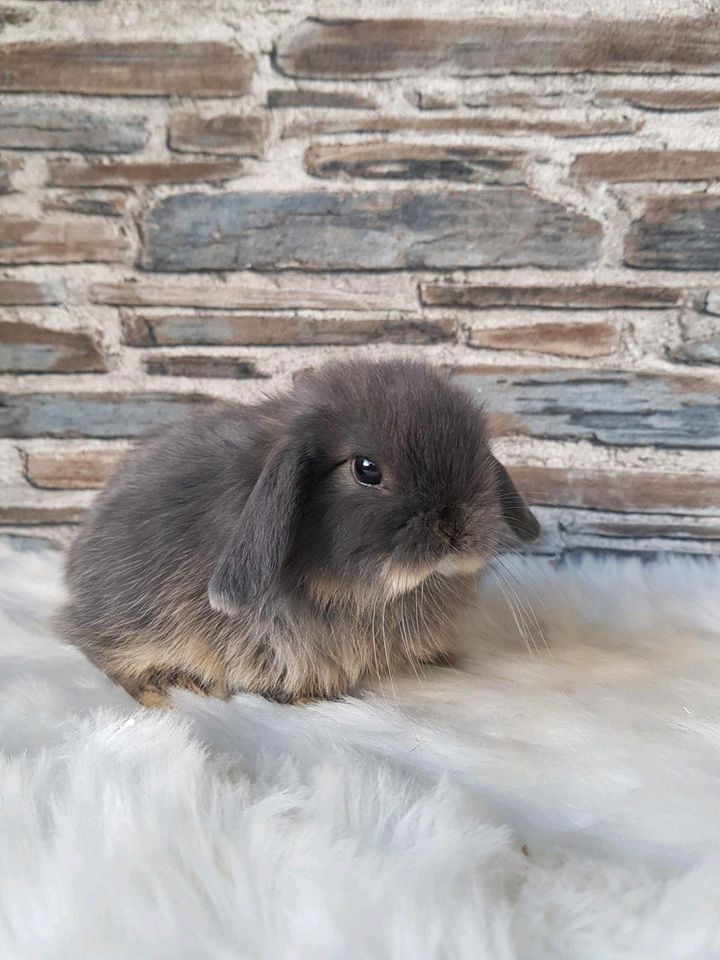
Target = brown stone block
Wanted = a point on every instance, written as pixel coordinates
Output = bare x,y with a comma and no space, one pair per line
624,532
27,348
521,100
671,100
229,329
114,205
376,293
433,101
37,515
5,184
491,126
572,297
323,99
24,293
413,161
139,174
633,165
558,339
411,47
70,470
622,490
232,133
230,368
45,241
126,69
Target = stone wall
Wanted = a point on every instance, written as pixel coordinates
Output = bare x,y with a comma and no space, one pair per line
199,200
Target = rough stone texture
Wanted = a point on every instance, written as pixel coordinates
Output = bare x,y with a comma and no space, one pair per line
26,348
25,293
391,48
12,17
676,233
706,350
621,533
500,98
227,368
324,99
617,489
434,101
712,302
493,126
170,193
561,339
134,174
114,205
135,69
374,295
42,128
413,161
629,165
368,231
519,99
35,515
575,297
18,541
226,330
45,241
664,101
106,416
75,470
237,134
608,407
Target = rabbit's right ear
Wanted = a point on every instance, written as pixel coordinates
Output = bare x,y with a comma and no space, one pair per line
261,539
515,511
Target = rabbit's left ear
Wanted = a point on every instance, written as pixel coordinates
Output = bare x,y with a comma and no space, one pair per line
516,512
261,539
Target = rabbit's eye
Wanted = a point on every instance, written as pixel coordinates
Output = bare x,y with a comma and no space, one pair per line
366,471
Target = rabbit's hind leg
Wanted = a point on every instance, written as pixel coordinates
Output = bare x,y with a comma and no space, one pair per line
155,688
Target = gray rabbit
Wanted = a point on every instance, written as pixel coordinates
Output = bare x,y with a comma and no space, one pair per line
293,547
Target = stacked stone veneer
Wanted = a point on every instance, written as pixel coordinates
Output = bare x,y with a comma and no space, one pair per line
201,200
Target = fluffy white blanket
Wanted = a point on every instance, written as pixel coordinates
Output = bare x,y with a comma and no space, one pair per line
563,803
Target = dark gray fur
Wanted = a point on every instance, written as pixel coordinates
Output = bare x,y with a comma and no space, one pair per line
234,550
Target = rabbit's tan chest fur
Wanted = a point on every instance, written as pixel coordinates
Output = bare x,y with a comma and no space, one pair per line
288,655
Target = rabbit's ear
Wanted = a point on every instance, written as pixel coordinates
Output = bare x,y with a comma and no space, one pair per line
515,511
261,539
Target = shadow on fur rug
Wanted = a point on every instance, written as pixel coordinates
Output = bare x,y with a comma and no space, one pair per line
564,804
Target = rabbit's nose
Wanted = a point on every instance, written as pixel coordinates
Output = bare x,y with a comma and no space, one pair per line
451,521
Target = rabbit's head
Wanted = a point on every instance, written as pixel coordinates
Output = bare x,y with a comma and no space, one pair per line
376,476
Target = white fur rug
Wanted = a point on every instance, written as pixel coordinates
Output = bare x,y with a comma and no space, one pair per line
559,805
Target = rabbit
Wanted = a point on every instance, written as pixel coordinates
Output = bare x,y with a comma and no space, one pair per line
293,547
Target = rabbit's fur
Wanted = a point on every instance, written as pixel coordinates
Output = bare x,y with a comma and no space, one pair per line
236,550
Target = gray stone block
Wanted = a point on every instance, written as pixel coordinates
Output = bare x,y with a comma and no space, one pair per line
366,231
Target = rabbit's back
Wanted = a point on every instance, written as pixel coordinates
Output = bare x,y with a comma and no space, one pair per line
142,559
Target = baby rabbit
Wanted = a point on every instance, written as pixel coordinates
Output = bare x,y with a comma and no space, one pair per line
293,547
